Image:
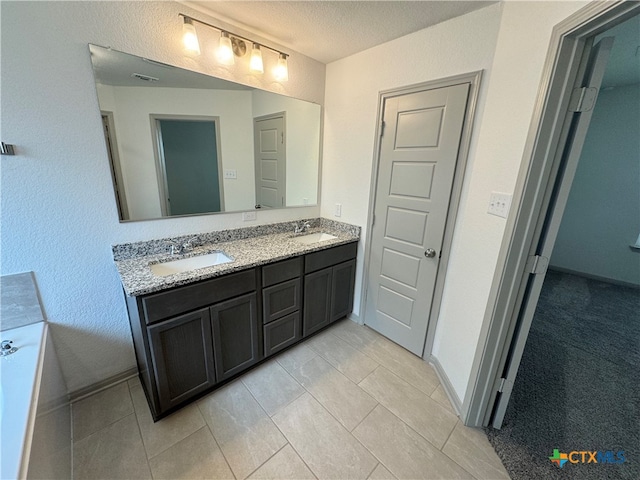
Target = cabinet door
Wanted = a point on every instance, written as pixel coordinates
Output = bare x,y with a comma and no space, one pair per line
182,357
317,301
342,283
235,335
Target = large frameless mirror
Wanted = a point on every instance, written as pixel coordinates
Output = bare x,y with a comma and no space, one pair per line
184,143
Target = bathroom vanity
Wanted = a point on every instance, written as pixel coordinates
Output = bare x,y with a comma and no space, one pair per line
195,330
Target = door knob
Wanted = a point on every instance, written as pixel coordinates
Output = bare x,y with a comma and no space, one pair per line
430,253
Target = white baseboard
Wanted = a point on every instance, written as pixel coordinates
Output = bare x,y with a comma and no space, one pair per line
446,385
89,390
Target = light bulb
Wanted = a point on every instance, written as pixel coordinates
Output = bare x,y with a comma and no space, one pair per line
225,51
255,64
189,37
281,71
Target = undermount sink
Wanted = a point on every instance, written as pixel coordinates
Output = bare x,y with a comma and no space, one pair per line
314,238
188,264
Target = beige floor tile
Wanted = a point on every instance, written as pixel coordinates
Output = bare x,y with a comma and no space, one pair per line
419,411
405,453
343,356
470,448
346,401
441,397
195,457
404,364
359,336
295,357
113,452
134,382
100,410
272,386
322,442
245,433
284,465
164,433
381,473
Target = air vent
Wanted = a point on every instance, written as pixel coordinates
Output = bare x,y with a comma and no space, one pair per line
146,78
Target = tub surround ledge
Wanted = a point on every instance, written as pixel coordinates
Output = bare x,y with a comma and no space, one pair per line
247,247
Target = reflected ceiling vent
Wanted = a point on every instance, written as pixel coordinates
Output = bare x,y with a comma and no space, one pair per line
146,78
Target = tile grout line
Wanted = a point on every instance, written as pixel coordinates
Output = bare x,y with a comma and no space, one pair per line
263,463
74,440
214,438
135,414
422,436
278,428
336,418
382,337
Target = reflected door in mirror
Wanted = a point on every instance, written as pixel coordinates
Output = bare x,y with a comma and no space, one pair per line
269,142
190,162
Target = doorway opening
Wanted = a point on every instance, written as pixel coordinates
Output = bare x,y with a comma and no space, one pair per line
189,164
561,350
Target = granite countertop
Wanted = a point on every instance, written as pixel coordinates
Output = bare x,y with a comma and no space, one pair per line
247,247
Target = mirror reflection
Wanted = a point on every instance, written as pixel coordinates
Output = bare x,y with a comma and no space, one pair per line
184,143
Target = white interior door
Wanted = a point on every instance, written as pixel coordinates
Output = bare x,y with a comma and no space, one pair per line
583,102
418,154
270,161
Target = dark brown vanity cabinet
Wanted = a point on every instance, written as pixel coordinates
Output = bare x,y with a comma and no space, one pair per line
188,339
191,338
281,303
328,286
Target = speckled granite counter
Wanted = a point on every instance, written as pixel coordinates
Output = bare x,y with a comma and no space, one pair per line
247,247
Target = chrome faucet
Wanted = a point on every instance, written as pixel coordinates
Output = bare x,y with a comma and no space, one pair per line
6,348
300,229
185,247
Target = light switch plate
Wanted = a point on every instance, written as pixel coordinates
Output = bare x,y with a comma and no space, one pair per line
249,216
499,204
338,211
230,173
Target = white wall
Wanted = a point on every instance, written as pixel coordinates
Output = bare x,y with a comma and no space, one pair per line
464,44
132,108
509,41
525,32
303,152
59,216
602,217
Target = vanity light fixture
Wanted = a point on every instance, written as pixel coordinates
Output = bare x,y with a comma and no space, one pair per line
281,71
255,64
189,37
225,50
233,45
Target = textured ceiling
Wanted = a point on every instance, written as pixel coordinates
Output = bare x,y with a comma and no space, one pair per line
330,30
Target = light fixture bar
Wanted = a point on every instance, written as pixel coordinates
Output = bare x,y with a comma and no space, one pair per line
220,29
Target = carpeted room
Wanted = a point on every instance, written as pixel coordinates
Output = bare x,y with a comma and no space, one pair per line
577,386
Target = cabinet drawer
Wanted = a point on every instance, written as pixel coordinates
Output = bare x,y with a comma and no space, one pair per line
179,300
281,333
281,271
331,256
280,300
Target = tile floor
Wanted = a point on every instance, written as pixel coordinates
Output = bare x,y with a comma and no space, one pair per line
347,403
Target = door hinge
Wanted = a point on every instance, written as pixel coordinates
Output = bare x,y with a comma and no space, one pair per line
505,386
583,99
537,264
382,125
373,222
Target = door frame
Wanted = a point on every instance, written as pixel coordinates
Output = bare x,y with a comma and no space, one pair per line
473,79
532,200
117,175
158,153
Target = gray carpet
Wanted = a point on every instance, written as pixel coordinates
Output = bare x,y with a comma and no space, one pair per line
578,386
